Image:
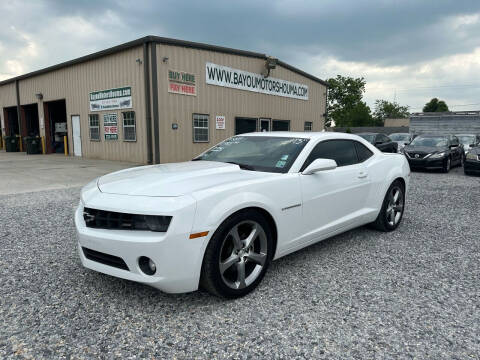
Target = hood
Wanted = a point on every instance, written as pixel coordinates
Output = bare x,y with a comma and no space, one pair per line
475,150
175,179
424,149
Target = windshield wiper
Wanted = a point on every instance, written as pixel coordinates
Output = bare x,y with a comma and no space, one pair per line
242,166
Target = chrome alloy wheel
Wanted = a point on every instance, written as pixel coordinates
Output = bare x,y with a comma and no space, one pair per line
394,208
243,254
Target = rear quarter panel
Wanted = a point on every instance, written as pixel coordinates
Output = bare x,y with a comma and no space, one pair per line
383,170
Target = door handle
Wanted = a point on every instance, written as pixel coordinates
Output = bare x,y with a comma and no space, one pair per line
362,175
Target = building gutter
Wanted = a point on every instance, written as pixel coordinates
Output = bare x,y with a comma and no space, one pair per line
148,110
153,49
17,90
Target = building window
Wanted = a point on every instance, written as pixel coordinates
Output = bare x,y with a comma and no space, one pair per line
200,128
307,126
129,130
94,126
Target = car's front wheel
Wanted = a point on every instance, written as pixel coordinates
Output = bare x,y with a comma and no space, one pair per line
447,164
238,255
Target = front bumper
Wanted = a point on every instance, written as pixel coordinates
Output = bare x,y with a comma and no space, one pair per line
472,166
426,163
178,259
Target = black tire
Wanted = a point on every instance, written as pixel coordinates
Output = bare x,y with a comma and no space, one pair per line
211,278
382,222
447,165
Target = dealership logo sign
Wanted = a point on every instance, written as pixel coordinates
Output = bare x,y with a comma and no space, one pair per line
111,99
180,82
243,80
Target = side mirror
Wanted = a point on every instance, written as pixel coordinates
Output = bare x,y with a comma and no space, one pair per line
320,165
407,143
378,142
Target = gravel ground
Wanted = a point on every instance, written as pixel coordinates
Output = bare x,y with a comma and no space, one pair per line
413,293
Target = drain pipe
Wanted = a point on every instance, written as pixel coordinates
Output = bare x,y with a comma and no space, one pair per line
153,49
148,110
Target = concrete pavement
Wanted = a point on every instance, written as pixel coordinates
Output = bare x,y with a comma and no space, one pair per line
20,173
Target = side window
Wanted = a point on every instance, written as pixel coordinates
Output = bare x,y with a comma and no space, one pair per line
94,127
363,152
342,151
200,128
129,131
383,138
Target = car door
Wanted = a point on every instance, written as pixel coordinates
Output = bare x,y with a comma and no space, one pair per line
457,151
333,199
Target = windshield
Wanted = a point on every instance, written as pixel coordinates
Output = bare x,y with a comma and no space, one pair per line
400,137
432,141
466,139
368,137
259,153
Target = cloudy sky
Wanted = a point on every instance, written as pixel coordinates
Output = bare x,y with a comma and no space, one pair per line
408,50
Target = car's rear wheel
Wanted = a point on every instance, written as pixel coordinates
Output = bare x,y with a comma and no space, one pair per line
393,206
447,165
238,255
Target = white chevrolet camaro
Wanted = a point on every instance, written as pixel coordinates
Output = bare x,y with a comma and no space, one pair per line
218,221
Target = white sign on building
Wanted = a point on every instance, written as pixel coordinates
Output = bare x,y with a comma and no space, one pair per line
112,99
243,80
220,122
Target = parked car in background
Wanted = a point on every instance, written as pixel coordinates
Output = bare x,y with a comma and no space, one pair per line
471,165
468,141
401,139
434,152
381,141
219,220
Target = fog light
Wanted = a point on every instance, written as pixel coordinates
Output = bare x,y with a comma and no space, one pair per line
147,265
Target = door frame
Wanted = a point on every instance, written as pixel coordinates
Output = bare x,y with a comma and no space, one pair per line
260,120
73,136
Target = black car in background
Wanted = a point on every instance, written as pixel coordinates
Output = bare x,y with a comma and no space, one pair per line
380,141
471,165
434,152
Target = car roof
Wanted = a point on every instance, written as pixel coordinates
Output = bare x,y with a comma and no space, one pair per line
404,133
304,135
466,134
433,135
367,133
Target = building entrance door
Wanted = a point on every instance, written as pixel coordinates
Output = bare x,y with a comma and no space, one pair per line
77,139
264,125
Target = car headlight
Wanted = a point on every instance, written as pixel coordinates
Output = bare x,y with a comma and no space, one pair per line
471,156
437,155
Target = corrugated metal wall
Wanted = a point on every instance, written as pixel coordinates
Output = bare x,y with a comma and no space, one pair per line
74,83
177,145
454,123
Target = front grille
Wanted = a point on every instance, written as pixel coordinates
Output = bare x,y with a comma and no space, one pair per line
105,259
101,219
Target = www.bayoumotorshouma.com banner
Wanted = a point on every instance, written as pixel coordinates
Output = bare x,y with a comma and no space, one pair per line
239,79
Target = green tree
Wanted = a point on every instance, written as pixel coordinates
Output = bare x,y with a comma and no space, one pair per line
389,110
345,105
435,105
